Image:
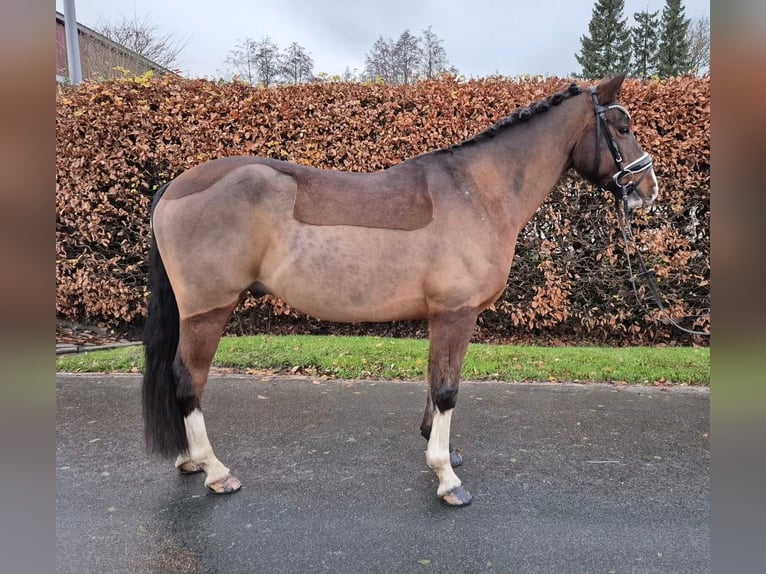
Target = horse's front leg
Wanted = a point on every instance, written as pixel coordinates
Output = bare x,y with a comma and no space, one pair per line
449,335
455,458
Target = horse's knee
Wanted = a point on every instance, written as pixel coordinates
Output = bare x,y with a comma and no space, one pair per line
445,397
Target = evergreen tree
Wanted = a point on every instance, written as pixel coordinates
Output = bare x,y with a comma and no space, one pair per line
673,57
644,38
606,50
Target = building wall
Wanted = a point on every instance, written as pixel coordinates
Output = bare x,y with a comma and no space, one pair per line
61,63
99,57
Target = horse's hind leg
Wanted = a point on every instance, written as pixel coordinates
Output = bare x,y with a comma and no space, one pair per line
199,337
449,336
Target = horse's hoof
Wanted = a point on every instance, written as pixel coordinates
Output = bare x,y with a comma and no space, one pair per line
189,467
225,485
458,496
455,458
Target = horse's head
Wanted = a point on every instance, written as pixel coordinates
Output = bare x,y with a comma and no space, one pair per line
607,153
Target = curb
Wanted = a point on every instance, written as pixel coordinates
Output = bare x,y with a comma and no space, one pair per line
69,349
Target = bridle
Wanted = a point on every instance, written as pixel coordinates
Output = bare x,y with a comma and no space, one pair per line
625,182
623,177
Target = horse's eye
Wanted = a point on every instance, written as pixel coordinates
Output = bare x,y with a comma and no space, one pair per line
624,130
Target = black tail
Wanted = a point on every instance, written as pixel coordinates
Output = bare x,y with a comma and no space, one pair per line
163,415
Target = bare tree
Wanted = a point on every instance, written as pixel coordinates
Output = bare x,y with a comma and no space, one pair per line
379,61
296,66
145,39
408,57
241,59
434,55
350,75
698,38
266,61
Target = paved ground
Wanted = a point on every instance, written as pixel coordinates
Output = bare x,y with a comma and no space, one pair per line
565,479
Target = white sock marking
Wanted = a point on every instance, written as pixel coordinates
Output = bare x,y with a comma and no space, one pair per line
200,450
437,455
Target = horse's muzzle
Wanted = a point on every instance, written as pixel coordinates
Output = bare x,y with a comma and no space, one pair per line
642,190
636,200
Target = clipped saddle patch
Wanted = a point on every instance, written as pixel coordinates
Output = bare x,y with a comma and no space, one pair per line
391,199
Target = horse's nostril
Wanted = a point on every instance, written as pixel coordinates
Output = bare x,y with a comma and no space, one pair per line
652,197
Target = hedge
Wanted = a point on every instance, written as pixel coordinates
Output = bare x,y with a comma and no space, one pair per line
118,141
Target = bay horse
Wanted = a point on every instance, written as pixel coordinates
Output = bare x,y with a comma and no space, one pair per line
430,238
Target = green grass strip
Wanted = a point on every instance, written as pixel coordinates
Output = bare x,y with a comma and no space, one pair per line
373,357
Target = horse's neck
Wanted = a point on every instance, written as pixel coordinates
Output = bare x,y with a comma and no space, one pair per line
520,165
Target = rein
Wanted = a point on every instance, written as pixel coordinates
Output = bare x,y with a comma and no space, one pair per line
623,218
623,179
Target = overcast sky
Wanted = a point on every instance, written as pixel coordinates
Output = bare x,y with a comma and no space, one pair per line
481,37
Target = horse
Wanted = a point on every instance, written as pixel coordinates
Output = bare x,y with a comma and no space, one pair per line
431,238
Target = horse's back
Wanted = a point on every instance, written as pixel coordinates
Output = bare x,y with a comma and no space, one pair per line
396,198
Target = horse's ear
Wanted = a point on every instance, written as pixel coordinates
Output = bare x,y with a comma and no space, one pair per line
608,89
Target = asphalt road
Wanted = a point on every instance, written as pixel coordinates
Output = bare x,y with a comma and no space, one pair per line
565,478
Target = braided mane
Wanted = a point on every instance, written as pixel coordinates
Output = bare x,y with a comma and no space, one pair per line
521,115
